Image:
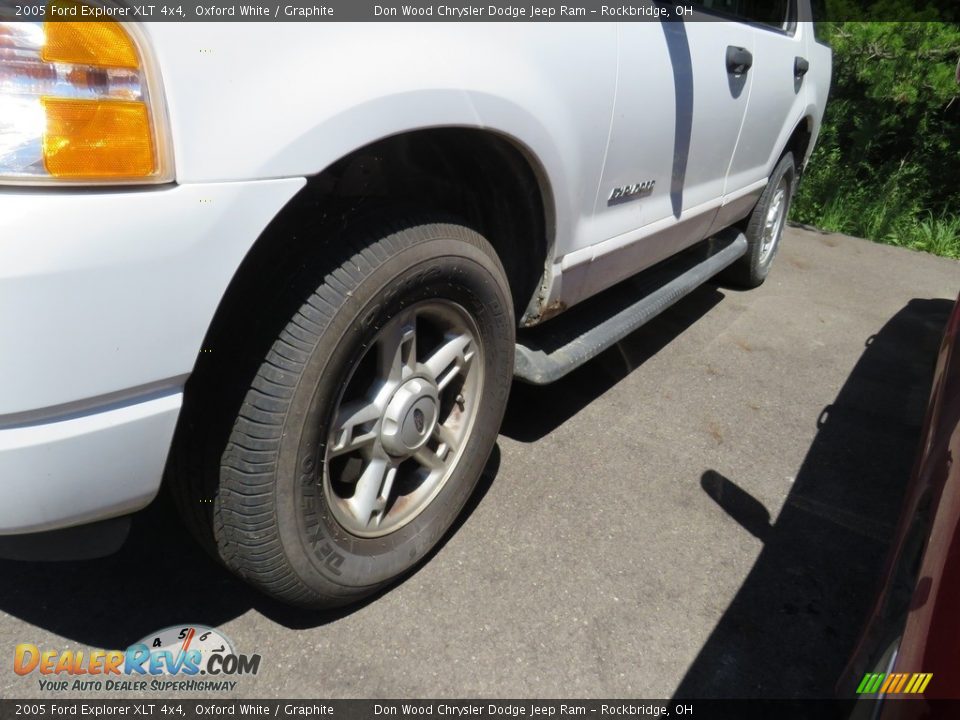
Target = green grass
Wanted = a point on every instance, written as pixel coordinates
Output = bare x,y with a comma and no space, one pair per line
937,235
886,214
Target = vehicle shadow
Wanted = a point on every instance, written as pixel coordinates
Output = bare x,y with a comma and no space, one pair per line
793,624
161,577
535,411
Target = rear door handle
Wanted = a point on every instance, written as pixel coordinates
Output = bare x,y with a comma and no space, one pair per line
739,60
800,66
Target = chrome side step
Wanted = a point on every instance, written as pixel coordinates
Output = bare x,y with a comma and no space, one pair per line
548,352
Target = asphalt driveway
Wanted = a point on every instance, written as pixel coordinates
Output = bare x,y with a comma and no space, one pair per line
701,511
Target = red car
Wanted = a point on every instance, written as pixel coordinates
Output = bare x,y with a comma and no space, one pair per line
910,648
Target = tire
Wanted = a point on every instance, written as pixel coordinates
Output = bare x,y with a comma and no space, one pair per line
370,419
765,228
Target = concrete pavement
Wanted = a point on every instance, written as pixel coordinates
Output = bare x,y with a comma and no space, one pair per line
701,511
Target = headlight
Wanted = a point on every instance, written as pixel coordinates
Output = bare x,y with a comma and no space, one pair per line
80,103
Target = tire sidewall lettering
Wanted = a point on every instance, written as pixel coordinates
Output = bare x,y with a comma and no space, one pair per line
329,550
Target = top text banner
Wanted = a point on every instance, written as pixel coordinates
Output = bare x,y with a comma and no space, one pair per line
351,11
772,16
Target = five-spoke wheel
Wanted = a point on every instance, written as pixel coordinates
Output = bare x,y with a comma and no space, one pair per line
403,417
372,416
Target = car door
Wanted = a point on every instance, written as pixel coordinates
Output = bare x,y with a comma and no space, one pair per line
677,115
776,100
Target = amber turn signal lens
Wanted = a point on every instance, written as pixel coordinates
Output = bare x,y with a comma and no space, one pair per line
104,44
94,138
80,102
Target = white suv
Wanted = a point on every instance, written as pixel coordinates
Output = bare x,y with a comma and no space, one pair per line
290,270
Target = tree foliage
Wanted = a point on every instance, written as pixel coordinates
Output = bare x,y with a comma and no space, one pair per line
889,148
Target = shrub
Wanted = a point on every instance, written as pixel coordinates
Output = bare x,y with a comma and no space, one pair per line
886,164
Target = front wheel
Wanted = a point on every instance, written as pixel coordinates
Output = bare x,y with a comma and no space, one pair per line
370,420
765,227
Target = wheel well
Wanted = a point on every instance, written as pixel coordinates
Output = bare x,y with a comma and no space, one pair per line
476,176
799,142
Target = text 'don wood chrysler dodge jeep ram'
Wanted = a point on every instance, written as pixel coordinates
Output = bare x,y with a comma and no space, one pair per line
288,271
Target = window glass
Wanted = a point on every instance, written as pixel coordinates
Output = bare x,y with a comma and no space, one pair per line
819,9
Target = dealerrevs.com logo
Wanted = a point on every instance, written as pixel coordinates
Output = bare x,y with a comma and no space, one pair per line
177,658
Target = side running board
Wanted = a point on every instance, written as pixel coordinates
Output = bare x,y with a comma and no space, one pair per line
548,352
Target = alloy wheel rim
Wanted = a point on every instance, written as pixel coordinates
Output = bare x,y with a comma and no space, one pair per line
773,222
403,418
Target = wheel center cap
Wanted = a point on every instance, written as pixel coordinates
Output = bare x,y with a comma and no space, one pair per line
410,417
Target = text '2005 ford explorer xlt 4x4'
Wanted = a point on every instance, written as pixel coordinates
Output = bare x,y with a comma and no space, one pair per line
290,270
